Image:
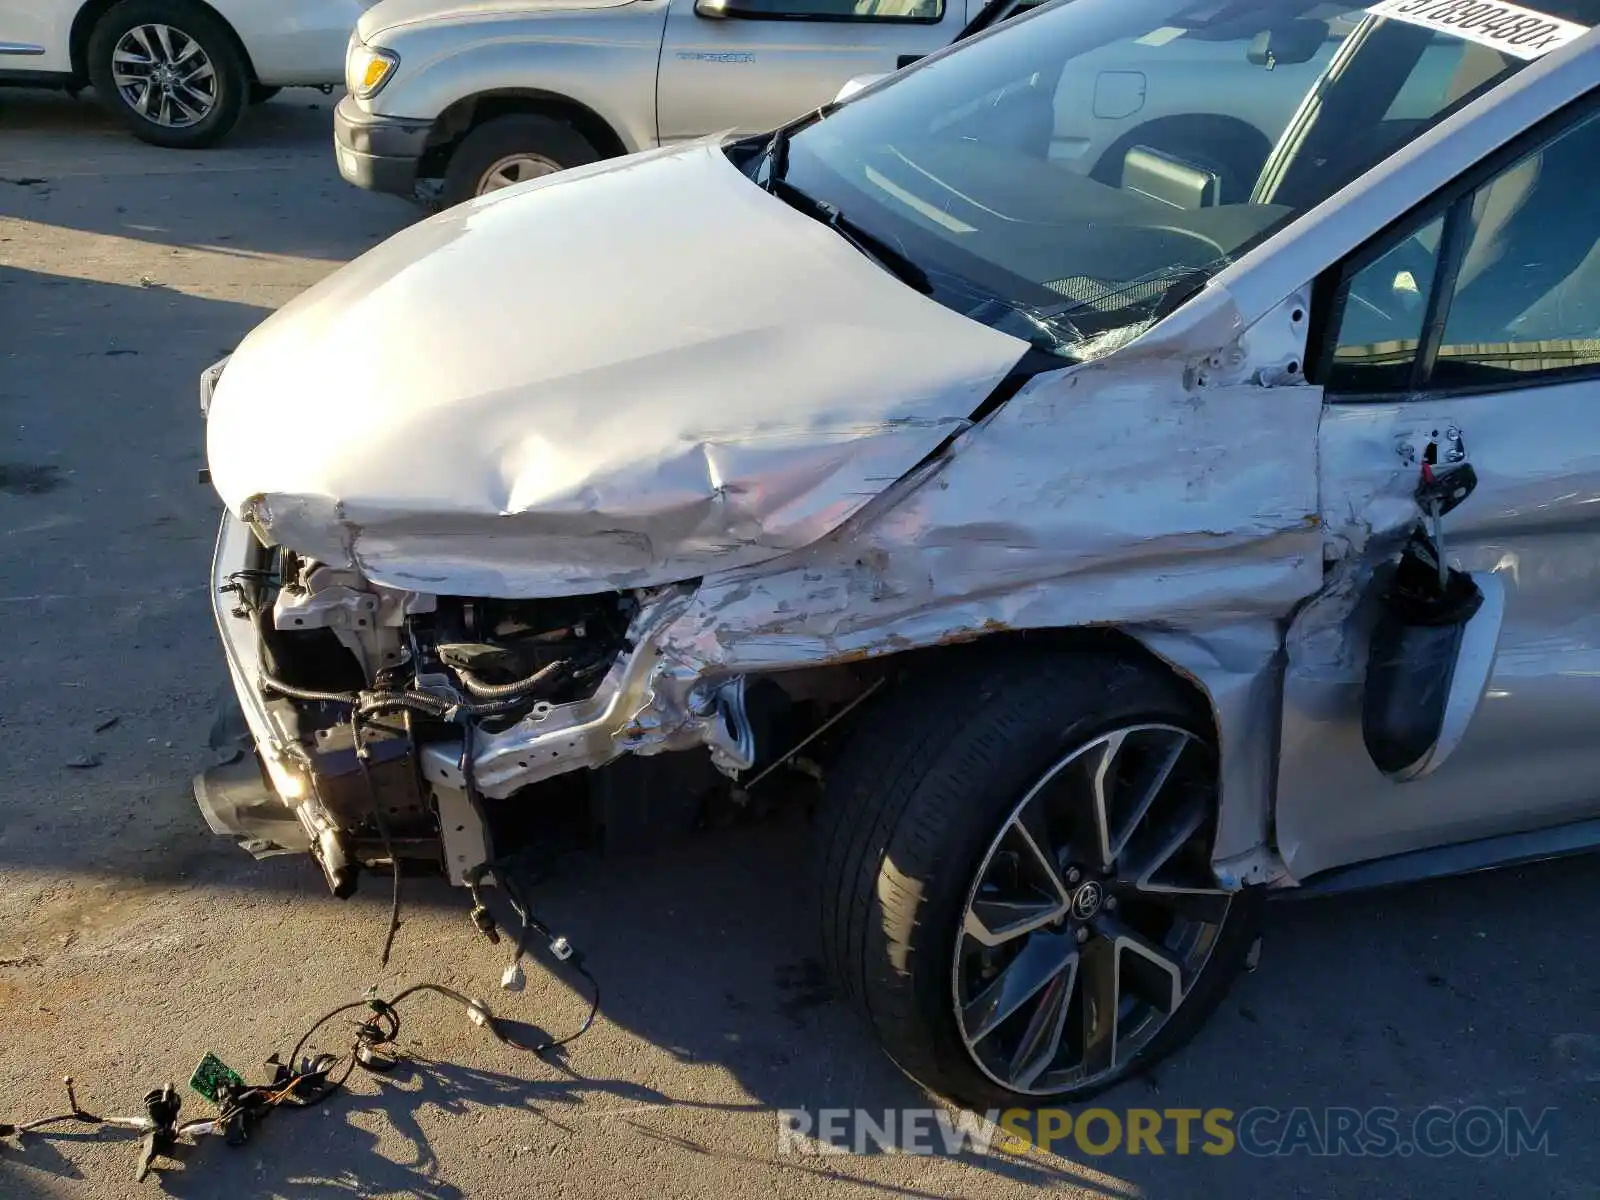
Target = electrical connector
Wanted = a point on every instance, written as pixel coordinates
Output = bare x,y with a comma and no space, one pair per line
478,1013
561,949
483,921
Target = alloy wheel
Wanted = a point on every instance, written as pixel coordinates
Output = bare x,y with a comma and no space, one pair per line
512,169
164,75
1092,913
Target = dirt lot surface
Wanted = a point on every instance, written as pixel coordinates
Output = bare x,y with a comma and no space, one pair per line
131,941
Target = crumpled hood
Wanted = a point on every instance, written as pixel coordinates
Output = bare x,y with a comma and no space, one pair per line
623,375
390,14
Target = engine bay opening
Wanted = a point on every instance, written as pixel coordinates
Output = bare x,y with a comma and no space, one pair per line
401,731
356,680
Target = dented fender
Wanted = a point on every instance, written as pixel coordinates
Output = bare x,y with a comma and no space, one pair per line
1169,494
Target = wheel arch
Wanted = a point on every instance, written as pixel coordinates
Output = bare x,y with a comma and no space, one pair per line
83,26
908,819
463,116
1234,677
1127,642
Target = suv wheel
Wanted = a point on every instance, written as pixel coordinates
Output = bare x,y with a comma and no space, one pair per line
510,150
168,70
1016,881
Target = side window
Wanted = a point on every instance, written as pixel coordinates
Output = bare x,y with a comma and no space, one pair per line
1385,308
1501,290
926,12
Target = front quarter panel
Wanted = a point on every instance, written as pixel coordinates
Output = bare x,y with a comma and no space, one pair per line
35,35
602,58
1139,490
294,41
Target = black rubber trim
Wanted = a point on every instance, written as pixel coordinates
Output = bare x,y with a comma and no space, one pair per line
1035,362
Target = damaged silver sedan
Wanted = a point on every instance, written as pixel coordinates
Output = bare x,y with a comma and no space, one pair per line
1121,529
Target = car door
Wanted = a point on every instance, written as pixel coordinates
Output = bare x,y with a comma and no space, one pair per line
1472,332
752,65
33,36
295,41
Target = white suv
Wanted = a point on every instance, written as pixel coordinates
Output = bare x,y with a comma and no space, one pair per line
177,72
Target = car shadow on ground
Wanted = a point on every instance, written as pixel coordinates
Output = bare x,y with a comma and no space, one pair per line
706,951
247,196
297,118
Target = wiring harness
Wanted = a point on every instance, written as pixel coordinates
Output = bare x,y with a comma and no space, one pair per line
306,1082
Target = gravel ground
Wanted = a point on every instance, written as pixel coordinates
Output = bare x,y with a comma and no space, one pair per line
131,941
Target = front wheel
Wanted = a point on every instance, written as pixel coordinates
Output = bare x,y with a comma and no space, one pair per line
510,150
169,70
1016,881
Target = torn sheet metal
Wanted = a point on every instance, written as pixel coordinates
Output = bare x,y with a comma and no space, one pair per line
1171,493
448,414
1132,489
1240,670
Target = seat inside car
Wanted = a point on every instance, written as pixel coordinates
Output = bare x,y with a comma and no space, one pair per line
1530,268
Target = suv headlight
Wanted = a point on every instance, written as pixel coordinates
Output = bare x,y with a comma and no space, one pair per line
367,69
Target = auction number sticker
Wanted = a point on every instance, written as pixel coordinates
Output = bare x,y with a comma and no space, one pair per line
1521,32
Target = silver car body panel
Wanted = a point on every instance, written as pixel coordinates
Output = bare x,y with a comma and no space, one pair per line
1186,485
1531,749
754,75
514,445
390,15
597,53
654,71
289,41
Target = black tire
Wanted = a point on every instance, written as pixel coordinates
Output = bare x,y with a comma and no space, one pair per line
260,93
911,807
543,138
231,74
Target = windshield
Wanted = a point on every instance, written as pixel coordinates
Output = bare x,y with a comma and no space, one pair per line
1078,172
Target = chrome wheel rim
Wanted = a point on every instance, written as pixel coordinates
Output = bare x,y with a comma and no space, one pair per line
513,169
1092,913
164,75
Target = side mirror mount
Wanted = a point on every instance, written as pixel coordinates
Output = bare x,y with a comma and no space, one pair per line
1290,43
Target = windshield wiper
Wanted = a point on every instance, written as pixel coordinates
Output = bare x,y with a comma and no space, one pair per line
777,158
1061,333
776,155
892,260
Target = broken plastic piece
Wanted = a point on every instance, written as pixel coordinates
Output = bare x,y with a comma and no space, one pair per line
513,979
161,1107
478,1013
